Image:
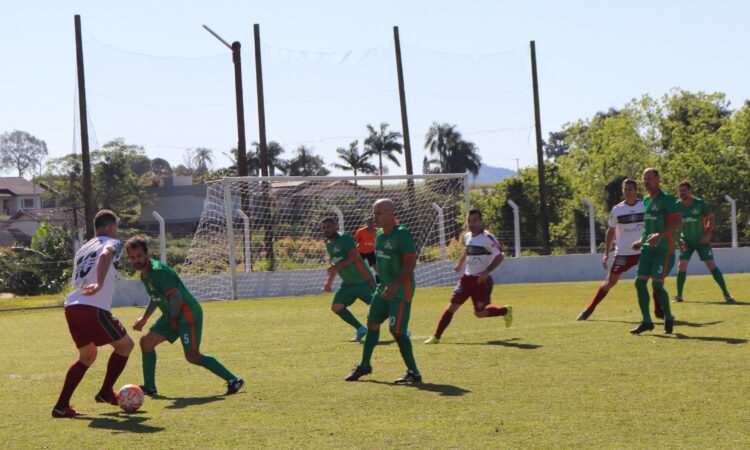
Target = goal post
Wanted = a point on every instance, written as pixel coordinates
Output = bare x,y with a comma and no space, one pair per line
260,236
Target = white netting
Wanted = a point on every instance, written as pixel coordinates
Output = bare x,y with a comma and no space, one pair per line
281,250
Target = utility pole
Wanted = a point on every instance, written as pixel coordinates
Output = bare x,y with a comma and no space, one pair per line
539,156
263,156
404,116
88,200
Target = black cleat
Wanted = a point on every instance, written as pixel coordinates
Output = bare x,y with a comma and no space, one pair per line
103,397
668,326
358,373
234,385
585,314
151,392
659,314
677,299
729,299
642,327
409,377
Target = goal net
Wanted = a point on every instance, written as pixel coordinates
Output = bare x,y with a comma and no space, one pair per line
260,237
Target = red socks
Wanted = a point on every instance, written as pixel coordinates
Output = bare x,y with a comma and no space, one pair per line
600,294
72,379
494,311
445,320
115,366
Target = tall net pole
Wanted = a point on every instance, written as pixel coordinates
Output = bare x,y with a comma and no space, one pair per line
539,155
88,200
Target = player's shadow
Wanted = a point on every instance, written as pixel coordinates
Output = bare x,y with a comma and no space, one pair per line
445,390
122,422
731,341
503,343
677,323
184,402
720,302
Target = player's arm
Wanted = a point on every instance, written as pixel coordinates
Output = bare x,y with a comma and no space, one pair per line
709,224
175,308
410,263
494,249
674,223
350,259
103,261
608,240
141,321
461,261
328,287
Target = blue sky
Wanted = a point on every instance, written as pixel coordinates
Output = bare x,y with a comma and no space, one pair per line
591,57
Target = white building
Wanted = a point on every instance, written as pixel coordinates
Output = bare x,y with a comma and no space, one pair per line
17,193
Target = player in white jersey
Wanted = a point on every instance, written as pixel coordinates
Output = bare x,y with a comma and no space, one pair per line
625,226
482,254
87,311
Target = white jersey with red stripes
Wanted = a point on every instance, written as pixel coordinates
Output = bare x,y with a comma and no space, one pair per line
480,251
627,220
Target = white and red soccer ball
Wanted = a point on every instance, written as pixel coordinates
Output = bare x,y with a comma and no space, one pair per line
130,397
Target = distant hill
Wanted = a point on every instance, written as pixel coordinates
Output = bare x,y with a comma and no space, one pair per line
492,174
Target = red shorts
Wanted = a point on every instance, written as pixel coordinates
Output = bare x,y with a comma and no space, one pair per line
468,286
89,324
624,263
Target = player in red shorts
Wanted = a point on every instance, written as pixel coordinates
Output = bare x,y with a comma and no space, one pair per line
483,254
625,227
87,311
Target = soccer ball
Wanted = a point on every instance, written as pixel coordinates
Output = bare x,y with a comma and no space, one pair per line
130,397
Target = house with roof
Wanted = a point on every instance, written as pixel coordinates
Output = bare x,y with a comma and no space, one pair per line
18,193
178,201
22,225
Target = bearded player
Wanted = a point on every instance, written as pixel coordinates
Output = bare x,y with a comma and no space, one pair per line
695,236
87,311
484,254
182,318
357,281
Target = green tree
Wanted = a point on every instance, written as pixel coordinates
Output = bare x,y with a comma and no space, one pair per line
385,144
22,152
274,150
452,154
306,163
354,161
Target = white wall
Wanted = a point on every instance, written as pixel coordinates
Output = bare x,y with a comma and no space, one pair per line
535,269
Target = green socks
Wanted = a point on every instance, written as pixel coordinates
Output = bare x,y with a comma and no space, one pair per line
349,318
681,277
720,280
371,340
663,296
404,346
149,369
213,364
641,286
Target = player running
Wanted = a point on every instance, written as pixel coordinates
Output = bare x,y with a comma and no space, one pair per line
484,254
396,260
87,311
356,279
182,318
698,224
625,226
661,219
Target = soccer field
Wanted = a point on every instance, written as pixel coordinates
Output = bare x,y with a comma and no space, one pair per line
548,381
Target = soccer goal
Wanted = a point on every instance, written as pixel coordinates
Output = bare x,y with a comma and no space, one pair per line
260,236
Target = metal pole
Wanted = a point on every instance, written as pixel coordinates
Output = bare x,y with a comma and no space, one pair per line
540,157
467,203
516,227
261,104
230,236
88,200
592,225
162,237
241,143
402,98
246,228
340,216
733,212
441,229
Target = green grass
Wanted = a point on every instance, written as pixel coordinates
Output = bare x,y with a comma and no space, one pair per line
37,301
547,382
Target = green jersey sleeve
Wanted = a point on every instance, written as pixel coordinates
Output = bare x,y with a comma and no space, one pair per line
406,242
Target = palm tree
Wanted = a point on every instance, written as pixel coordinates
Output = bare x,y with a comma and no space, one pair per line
385,144
273,153
306,163
202,157
354,161
452,153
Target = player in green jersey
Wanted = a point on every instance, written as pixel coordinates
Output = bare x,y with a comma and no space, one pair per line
357,281
396,259
182,318
695,236
662,218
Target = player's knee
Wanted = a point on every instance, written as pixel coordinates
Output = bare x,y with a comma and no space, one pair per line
373,326
87,355
641,283
125,346
609,283
337,307
146,344
479,310
193,357
453,308
711,265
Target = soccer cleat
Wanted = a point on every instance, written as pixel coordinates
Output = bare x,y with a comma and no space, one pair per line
103,397
234,385
409,377
361,332
585,314
151,392
677,299
642,327
729,299
432,340
659,314
668,326
508,316
358,373
65,412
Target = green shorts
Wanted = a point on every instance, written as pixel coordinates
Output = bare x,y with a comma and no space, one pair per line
396,309
347,293
189,332
704,251
655,263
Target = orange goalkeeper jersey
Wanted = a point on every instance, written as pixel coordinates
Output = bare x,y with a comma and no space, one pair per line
365,240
